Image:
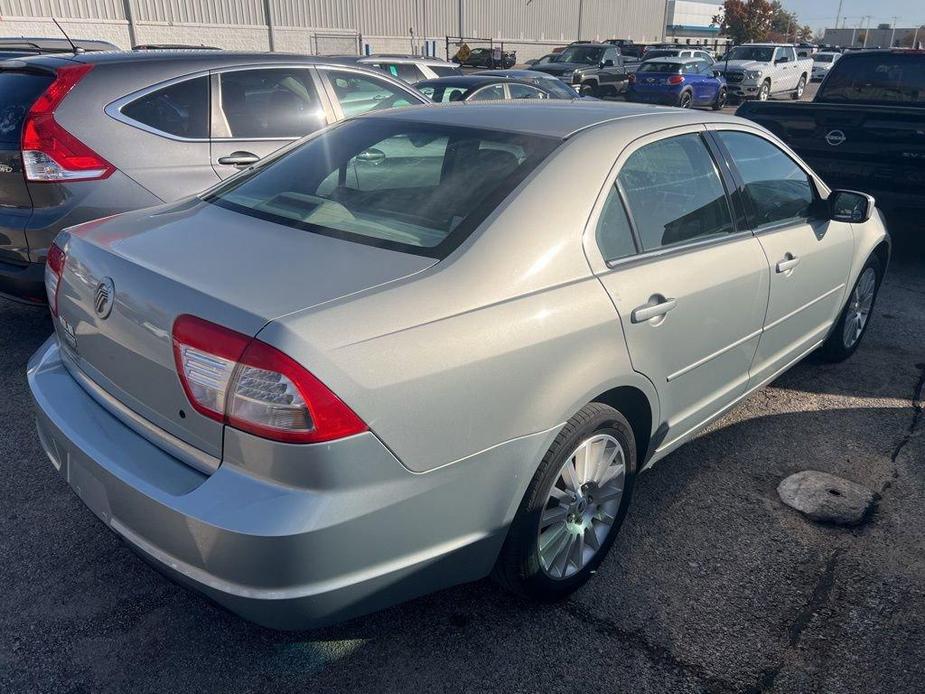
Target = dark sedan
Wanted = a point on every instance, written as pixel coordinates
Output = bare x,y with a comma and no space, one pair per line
495,86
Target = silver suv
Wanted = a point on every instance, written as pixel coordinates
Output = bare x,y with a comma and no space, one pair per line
90,135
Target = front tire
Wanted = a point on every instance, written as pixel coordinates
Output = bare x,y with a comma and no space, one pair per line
572,509
589,89
855,316
764,92
801,87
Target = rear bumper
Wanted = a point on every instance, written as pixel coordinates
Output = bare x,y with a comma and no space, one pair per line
350,531
663,98
24,283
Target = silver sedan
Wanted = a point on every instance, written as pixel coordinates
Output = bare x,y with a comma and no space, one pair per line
427,345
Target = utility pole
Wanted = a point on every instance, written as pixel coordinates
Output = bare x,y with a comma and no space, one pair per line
893,32
580,8
867,19
838,13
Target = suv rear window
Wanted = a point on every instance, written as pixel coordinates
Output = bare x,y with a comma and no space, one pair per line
20,90
888,78
180,109
411,187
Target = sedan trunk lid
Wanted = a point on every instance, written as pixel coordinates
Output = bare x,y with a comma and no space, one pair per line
200,259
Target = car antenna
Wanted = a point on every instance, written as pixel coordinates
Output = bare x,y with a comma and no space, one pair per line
61,29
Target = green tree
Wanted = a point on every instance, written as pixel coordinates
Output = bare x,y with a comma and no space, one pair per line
746,20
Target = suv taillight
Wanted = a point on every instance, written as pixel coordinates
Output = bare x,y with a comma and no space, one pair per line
54,266
247,384
51,153
631,78
676,79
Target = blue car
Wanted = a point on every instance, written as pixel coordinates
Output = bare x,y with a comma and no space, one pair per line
684,82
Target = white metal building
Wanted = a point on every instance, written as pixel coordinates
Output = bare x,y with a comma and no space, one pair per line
691,21
531,27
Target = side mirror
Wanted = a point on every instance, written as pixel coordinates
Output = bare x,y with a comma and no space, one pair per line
717,73
850,206
607,63
371,156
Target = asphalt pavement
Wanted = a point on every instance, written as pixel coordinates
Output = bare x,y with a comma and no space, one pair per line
712,586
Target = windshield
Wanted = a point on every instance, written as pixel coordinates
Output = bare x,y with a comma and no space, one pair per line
412,187
876,78
822,59
660,67
588,55
762,54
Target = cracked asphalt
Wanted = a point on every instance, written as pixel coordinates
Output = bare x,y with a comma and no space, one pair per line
712,586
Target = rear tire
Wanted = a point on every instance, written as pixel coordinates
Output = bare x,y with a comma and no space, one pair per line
721,98
851,325
686,100
560,533
801,87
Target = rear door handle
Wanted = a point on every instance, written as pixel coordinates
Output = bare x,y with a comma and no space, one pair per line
787,263
239,159
644,313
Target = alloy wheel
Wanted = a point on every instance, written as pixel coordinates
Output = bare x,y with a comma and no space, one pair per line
581,506
859,307
764,92
685,100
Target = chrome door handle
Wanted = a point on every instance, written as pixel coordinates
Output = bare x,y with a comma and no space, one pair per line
644,313
239,159
787,264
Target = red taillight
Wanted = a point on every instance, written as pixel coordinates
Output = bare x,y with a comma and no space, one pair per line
51,153
675,79
631,78
252,386
54,266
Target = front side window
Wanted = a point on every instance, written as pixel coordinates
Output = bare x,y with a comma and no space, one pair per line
277,102
180,109
409,187
674,192
778,189
357,93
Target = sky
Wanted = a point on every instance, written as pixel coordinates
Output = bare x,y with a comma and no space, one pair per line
821,13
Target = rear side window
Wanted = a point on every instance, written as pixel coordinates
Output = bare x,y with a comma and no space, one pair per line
19,90
492,92
277,102
357,93
409,187
674,192
614,236
779,190
445,71
405,71
180,109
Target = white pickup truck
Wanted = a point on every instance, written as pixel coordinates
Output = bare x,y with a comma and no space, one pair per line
761,70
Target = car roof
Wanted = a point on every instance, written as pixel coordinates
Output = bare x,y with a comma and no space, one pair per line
517,74
211,57
474,80
674,59
550,118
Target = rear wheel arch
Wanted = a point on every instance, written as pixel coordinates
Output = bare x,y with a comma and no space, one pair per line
883,251
633,404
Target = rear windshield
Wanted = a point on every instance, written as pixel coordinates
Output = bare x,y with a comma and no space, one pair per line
660,67
822,59
877,78
411,187
19,90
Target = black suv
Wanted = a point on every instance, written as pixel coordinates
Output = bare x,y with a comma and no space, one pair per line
598,69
